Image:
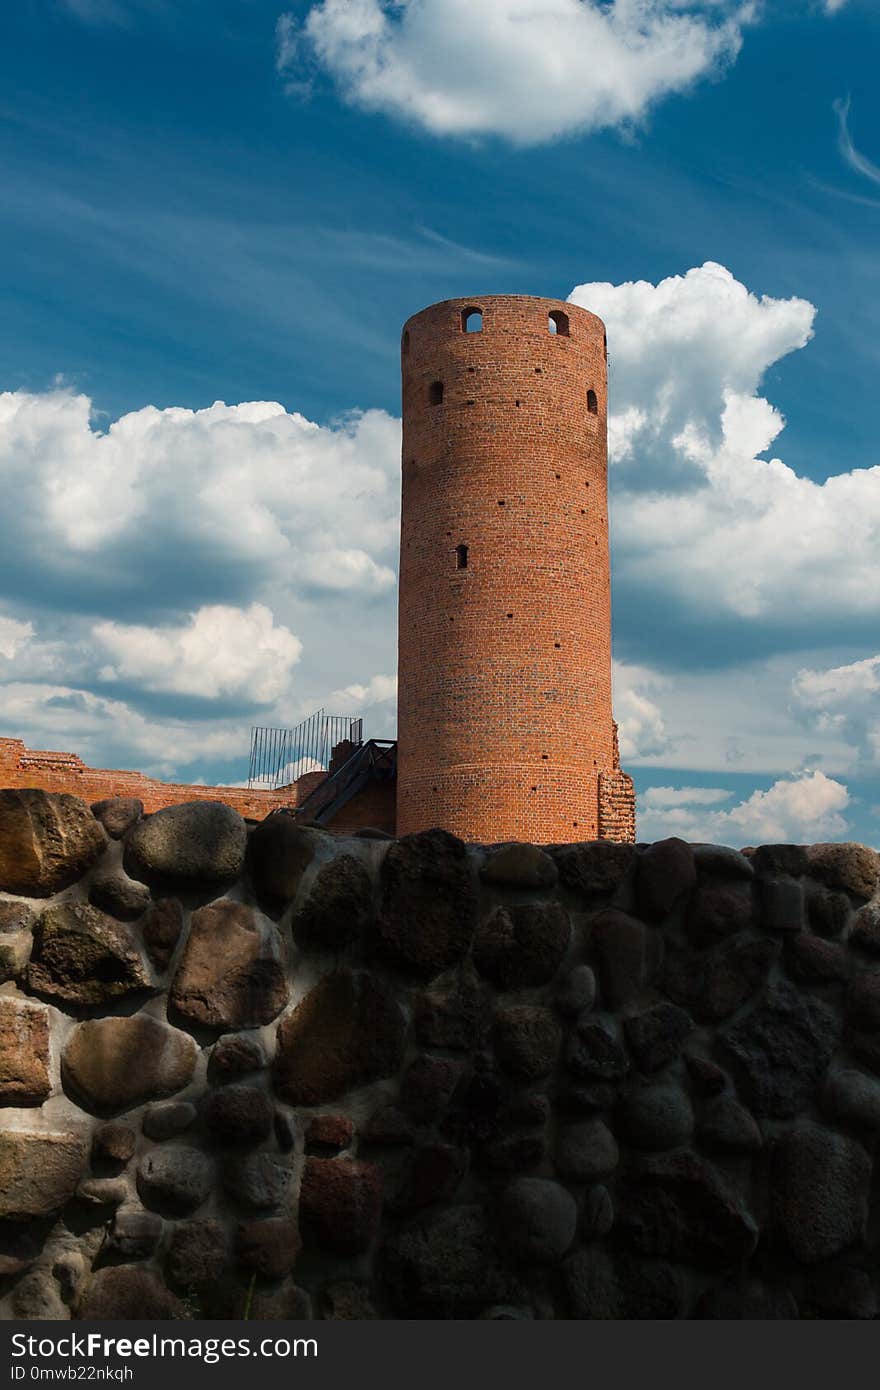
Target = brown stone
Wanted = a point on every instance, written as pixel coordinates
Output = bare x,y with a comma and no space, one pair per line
268,1248
121,896
522,945
347,1031
595,868
527,1040
340,1203
39,1172
113,1143
238,1115
347,1301
112,1064
428,904
128,1293
719,908
16,920
198,1252
24,1052
233,1057
231,973
47,841
161,930
665,874
454,1011
339,906
519,866
118,814
84,957
850,866
329,1132
279,852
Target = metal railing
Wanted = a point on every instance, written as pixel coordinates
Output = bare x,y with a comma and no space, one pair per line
280,756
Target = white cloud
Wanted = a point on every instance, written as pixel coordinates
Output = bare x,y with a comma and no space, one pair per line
799,810
697,516
853,157
664,798
222,651
527,71
640,725
250,488
13,636
844,700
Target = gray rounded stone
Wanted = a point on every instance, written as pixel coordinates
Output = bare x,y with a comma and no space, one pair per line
168,1118
519,866
121,896
198,842
819,1191
586,1152
657,1118
175,1180
598,1215
117,814
578,992
725,1124
852,1098
538,1219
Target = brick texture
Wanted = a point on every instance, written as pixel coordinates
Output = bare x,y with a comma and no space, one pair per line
504,723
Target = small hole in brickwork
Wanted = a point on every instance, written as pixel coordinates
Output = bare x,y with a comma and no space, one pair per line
435,393
510,615
470,402
583,511
472,320
586,484
472,370
461,557
433,789
501,502
557,644
538,370
592,402
558,476
517,402
534,789
557,322
545,756
575,824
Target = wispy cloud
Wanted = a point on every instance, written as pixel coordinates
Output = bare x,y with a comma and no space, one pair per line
853,157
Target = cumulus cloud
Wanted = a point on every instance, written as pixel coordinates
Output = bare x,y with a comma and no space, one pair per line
13,636
797,810
640,725
663,798
221,651
525,71
230,498
844,700
697,514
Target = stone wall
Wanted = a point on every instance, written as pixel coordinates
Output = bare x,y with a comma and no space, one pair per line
281,1073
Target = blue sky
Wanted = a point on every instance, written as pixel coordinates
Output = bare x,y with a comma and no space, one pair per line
240,202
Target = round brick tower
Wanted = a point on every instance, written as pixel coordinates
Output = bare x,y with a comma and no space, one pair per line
505,729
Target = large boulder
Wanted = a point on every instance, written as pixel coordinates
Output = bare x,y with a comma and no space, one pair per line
24,1052
190,845
347,1031
679,1206
128,1293
665,873
442,1264
428,902
39,1172
781,1050
620,1286
855,868
626,954
47,841
538,1219
231,972
819,1191
112,1064
279,852
519,866
83,957
339,906
340,1203
594,868
16,920
522,945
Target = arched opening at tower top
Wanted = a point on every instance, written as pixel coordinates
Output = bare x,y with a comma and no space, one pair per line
557,322
472,320
435,393
592,402
461,557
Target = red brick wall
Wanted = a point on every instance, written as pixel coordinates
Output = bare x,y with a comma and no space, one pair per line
65,772
504,722
375,807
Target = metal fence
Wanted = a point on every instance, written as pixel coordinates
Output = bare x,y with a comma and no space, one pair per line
279,756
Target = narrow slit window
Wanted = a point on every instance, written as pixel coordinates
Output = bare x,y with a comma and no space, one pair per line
405,344
461,557
592,402
557,323
472,320
435,393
